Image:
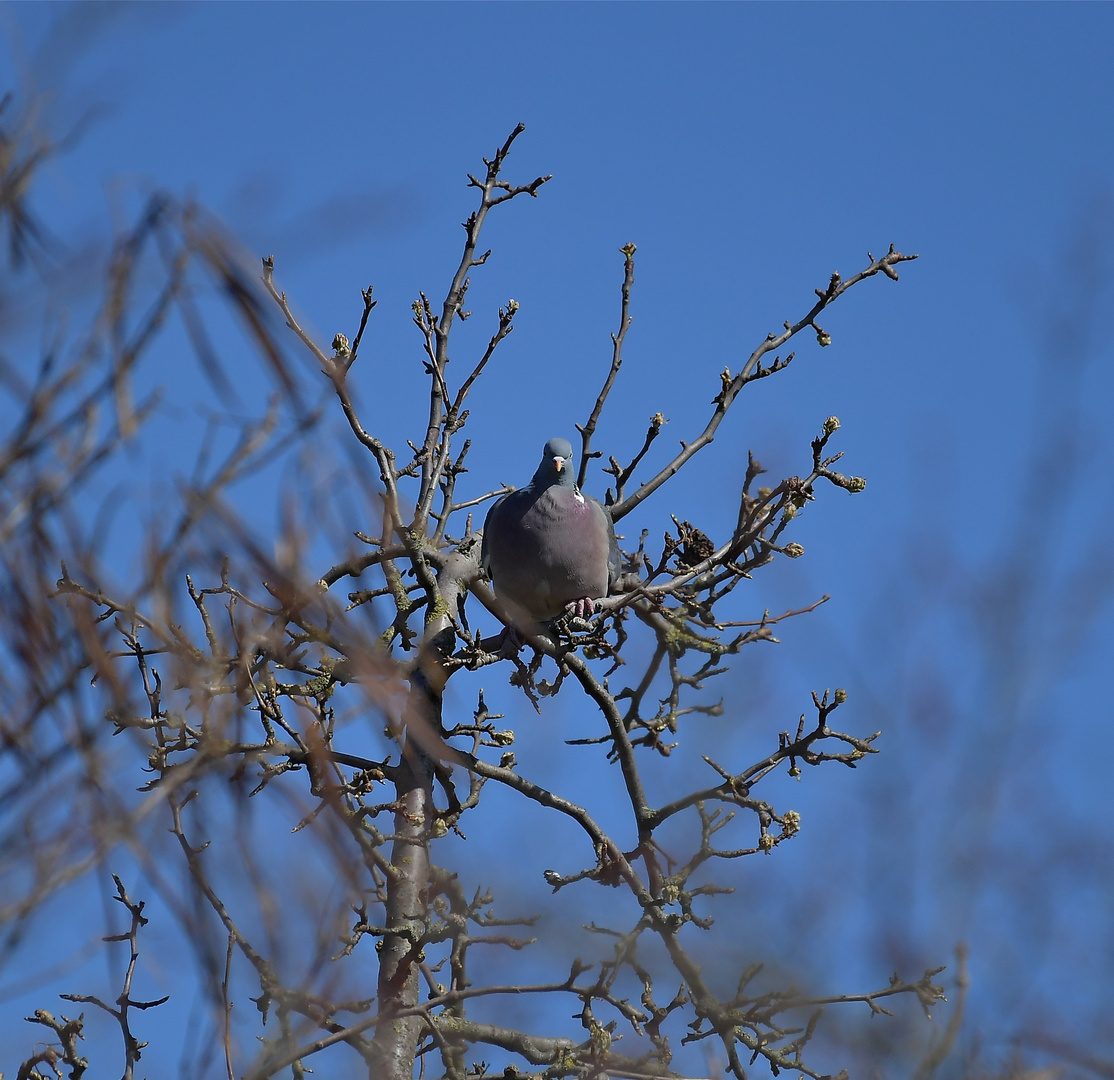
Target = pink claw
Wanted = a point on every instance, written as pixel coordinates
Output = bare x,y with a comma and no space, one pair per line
510,643
582,608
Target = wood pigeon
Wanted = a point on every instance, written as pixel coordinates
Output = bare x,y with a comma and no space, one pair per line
547,548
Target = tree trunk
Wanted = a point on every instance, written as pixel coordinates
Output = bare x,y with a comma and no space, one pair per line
396,1037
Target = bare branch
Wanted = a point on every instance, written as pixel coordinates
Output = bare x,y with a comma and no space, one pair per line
589,428
733,384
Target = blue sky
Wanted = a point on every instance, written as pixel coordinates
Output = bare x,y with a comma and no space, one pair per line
749,151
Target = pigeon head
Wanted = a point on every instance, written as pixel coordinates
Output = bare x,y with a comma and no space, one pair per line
556,466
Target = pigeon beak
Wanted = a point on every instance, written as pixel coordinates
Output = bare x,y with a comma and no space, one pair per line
558,463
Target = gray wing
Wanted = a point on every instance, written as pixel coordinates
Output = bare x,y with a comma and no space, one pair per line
490,523
614,559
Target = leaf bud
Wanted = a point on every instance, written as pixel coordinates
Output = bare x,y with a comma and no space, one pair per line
599,1035
831,425
855,483
840,695
794,550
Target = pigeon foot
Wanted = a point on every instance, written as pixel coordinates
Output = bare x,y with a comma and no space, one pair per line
583,608
510,643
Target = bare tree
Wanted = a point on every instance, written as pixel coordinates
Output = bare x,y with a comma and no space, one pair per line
241,668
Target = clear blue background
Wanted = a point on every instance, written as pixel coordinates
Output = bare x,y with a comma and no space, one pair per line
749,151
